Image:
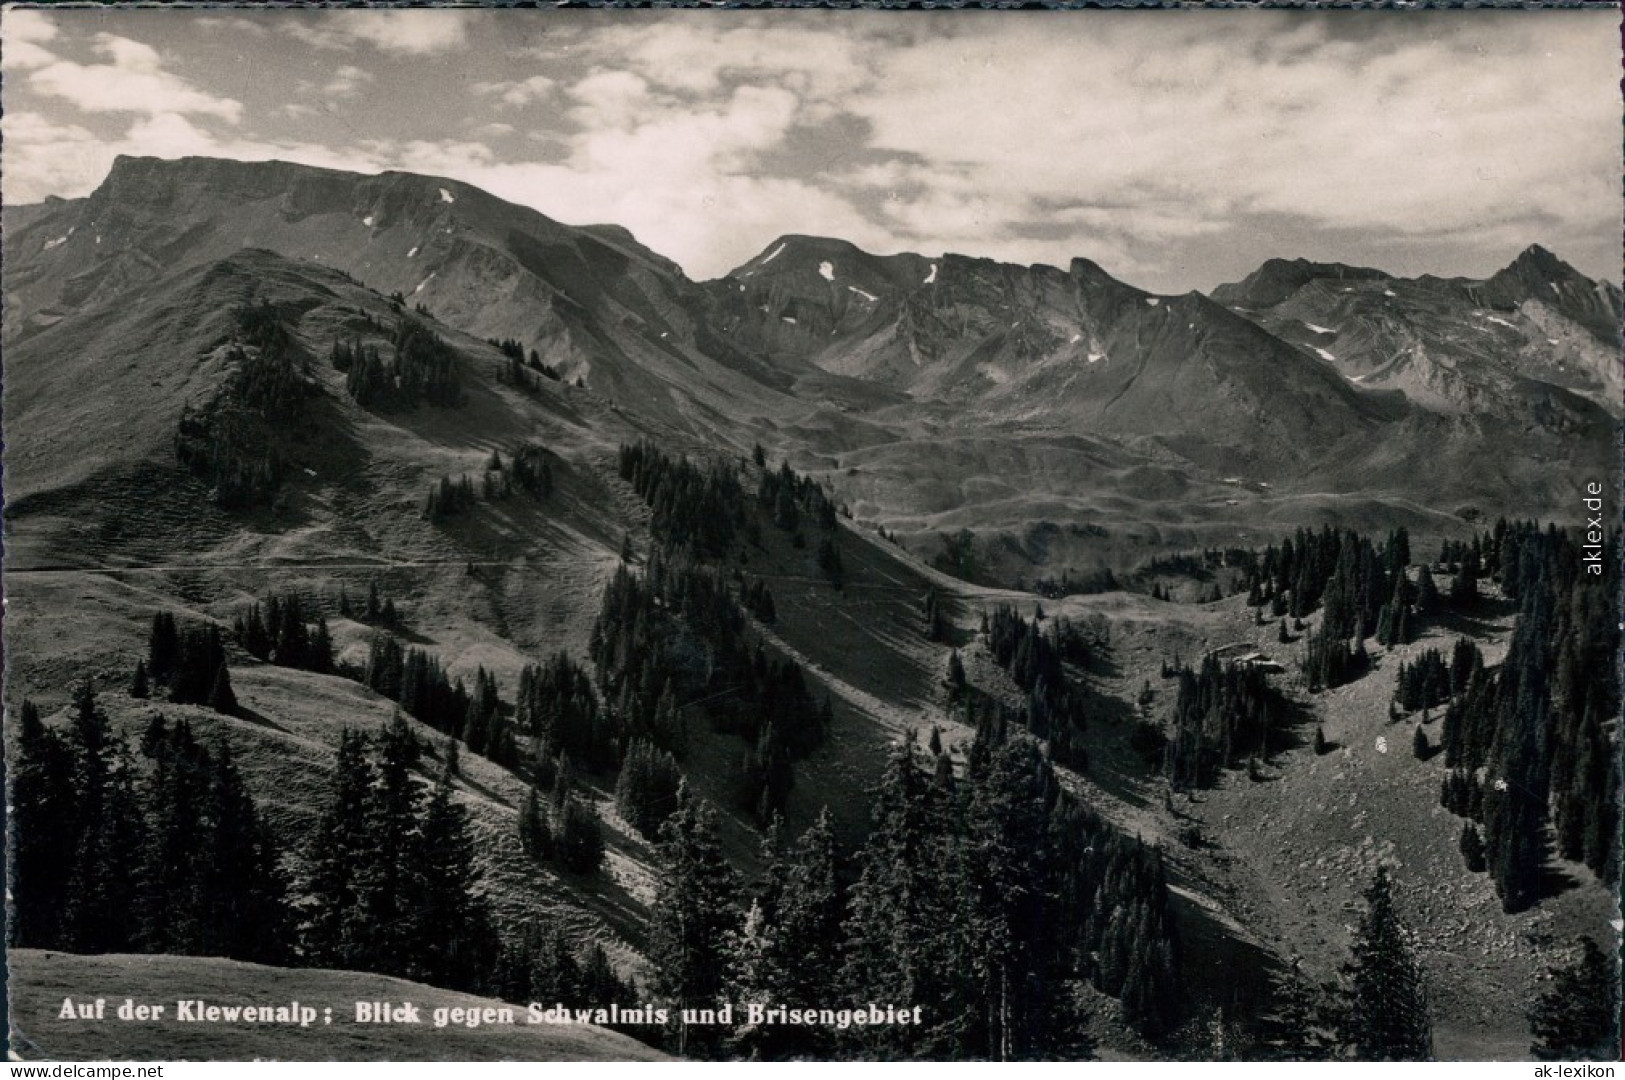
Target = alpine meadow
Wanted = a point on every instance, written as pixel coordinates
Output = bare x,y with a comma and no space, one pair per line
437,631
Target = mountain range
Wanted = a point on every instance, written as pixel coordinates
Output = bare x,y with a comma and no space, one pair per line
932,394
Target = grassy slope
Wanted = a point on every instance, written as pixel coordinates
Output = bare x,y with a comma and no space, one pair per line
41,980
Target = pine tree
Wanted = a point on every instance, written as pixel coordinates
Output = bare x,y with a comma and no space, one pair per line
163,646
221,698
1387,1012
534,835
580,840
336,849
242,901
454,943
386,872
44,827
100,903
1014,874
140,688
1577,1018
696,913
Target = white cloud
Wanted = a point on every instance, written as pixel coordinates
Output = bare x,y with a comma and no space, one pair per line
519,92
418,32
1145,142
133,82
26,34
231,24
347,81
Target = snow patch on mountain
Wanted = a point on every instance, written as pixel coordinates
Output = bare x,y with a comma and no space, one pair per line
1499,322
932,276
411,253
1319,329
58,242
1324,355
787,318
867,296
826,270
367,221
776,252
446,196
422,283
1096,357
1152,301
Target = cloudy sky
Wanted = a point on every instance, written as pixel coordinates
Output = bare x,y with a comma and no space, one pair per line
1177,149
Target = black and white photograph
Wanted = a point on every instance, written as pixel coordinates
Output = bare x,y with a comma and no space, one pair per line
834,535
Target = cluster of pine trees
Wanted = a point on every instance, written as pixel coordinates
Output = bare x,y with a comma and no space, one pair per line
985,899
570,835
541,967
792,499
111,855
234,441
377,610
676,632
1532,742
191,664
422,368
695,508
1055,709
557,711
646,790
517,370
1430,681
449,498
390,885
1225,714
279,633
414,678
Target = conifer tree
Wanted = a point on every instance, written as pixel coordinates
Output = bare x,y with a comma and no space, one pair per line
580,840
1577,1018
242,901
337,847
140,688
386,873
44,827
100,902
534,835
1387,1012
696,913
454,943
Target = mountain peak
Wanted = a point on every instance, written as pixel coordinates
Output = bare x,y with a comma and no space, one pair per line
1277,279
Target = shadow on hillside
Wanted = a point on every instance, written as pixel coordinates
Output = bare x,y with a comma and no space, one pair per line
1477,622
1555,881
258,718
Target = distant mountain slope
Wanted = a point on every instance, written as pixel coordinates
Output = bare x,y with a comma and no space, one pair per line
595,304
43,980
1454,346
